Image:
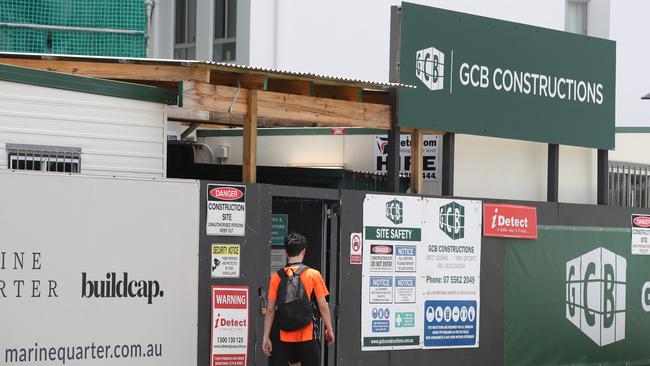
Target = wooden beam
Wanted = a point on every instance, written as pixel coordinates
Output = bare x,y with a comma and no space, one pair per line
338,92
248,81
204,117
290,108
417,138
117,71
300,87
249,166
375,96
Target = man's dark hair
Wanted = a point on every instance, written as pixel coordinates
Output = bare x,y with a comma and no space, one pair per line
294,243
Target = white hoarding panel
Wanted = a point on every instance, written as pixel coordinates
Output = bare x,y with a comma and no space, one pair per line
97,271
421,273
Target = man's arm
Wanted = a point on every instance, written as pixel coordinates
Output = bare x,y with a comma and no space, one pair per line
327,319
267,346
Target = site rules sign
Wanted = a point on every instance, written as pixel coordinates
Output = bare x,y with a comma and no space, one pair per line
421,273
229,325
226,210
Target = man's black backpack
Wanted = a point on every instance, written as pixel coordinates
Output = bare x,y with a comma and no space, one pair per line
294,306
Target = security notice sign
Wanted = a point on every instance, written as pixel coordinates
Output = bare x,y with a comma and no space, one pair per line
641,234
229,325
226,210
225,260
421,273
430,149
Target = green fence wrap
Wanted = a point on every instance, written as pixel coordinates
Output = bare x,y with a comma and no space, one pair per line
576,296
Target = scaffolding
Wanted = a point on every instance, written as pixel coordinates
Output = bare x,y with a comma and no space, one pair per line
75,27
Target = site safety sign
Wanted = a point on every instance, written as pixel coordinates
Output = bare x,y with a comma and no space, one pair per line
421,273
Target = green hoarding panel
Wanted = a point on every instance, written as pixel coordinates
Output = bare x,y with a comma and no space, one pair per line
576,296
482,76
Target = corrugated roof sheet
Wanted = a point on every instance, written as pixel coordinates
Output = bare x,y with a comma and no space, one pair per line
219,65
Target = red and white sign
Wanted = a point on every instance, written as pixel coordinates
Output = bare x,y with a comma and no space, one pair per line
509,221
356,246
229,325
226,213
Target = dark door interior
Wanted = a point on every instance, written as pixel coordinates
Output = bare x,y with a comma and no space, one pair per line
307,217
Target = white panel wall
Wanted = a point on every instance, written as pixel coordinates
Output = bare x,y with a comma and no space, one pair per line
578,175
117,136
632,148
500,168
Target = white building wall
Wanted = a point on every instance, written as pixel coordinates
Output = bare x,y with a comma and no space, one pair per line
117,136
351,38
352,152
639,154
629,27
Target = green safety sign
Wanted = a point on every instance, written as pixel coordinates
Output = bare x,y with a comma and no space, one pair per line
279,227
482,76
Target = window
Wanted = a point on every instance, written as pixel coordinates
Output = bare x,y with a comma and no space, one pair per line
225,29
44,158
576,16
185,29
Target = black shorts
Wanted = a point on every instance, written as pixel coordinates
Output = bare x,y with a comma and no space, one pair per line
307,353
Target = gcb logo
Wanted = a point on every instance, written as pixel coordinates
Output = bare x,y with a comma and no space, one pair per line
430,68
452,220
394,211
595,295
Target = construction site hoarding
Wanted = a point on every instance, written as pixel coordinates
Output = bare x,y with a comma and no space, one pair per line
577,296
98,270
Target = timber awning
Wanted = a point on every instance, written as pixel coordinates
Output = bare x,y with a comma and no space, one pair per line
215,94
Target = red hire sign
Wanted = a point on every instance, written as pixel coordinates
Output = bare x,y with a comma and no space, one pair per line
509,221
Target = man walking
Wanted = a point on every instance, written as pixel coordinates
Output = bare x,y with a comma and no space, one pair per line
293,289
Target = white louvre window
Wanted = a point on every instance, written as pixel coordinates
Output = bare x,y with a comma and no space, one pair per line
44,158
225,28
576,16
185,29
629,184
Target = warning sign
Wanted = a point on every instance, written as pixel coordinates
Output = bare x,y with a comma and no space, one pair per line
225,260
226,210
229,325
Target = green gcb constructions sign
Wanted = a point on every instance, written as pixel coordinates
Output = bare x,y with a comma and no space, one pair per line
487,77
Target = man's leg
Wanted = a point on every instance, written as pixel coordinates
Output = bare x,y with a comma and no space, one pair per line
291,353
309,353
